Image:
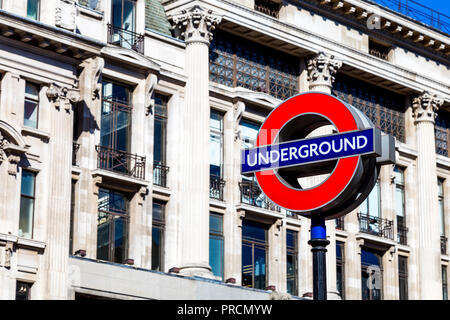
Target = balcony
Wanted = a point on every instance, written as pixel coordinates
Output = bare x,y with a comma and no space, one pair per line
120,162
160,174
75,148
340,223
443,245
216,186
126,39
251,194
402,232
380,227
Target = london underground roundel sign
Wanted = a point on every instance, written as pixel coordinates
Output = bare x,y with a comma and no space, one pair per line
290,149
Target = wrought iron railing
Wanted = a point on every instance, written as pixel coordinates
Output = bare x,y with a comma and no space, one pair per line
402,232
120,162
160,174
268,7
376,226
340,223
251,194
75,148
443,245
216,186
125,38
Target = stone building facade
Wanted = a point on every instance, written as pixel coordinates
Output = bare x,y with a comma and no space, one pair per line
121,125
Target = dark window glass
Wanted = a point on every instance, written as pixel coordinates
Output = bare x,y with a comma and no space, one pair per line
33,9
112,226
123,14
23,290
254,254
340,265
371,275
158,227
72,215
160,130
444,283
442,132
216,243
216,142
403,277
27,199
31,105
292,261
399,179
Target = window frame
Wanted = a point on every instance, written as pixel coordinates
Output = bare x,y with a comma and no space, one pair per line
38,10
293,251
340,262
161,225
220,236
33,198
32,99
403,275
218,133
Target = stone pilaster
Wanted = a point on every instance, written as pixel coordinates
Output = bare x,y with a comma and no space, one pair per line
195,26
425,107
321,70
58,213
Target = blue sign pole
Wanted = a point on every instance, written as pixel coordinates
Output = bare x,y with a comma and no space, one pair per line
318,244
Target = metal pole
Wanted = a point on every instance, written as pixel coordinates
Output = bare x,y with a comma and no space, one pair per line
318,244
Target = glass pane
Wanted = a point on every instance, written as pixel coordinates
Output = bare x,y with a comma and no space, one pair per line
254,231
215,154
398,175
339,279
120,238
30,114
249,132
370,258
399,202
216,255
374,201
128,15
159,141
291,239
247,265
32,9
117,13
260,268
215,121
158,211
27,186
339,250
441,211
157,245
215,223
103,236
26,217
32,89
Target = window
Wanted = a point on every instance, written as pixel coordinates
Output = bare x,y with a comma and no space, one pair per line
442,132
158,226
160,169
112,226
31,106
444,283
254,254
216,155
292,261
27,198
216,242
442,215
340,267
33,9
371,275
371,206
123,14
399,179
72,215
23,290
403,277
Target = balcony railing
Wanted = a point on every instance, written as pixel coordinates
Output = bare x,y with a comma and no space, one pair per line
125,38
340,223
402,232
251,194
160,174
120,162
443,245
75,148
376,226
216,186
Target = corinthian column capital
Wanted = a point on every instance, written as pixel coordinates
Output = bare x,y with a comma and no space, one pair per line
196,24
321,70
425,106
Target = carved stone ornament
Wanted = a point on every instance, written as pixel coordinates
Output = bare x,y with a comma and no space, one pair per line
150,85
425,106
321,70
196,24
99,64
2,141
8,254
62,96
65,14
239,109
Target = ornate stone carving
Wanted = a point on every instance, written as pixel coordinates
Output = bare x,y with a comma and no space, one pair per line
240,216
14,159
2,141
239,109
65,14
62,96
321,70
425,106
196,24
150,85
98,69
8,254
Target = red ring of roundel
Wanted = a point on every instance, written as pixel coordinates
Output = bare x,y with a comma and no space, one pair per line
311,199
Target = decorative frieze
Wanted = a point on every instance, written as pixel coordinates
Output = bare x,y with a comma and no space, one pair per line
321,70
425,106
62,96
196,24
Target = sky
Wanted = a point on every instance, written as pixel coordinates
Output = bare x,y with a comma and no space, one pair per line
442,6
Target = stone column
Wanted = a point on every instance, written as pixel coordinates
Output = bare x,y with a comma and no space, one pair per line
195,26
58,215
425,107
321,70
